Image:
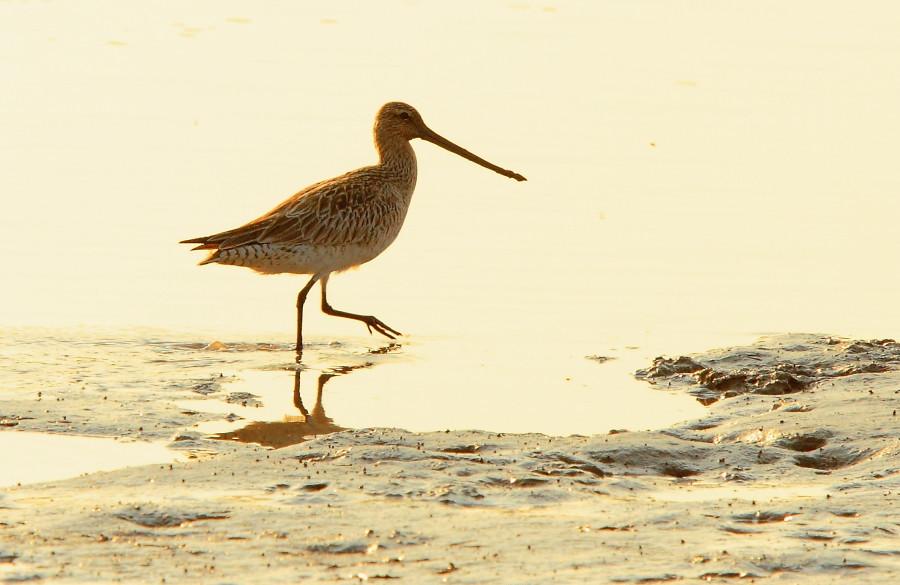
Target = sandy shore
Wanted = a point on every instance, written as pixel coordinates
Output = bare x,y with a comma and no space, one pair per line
792,477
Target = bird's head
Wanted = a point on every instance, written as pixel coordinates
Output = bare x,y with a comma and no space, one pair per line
399,120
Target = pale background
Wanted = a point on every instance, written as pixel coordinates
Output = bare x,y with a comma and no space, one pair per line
699,173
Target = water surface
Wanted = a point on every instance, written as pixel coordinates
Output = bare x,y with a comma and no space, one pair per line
696,176
37,457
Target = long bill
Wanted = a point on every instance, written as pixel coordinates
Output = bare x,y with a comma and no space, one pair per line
435,138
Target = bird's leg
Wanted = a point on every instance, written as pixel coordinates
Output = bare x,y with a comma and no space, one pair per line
370,321
301,298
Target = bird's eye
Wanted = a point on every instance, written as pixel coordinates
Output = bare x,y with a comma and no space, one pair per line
404,116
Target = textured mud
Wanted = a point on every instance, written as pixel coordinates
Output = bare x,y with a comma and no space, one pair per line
80,383
792,477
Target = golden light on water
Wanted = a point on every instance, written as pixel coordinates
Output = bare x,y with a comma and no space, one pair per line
737,179
700,175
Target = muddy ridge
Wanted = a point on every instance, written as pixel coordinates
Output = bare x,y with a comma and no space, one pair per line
772,368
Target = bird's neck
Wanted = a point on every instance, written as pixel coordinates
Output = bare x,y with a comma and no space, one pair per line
397,156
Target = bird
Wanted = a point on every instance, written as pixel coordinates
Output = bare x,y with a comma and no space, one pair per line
339,223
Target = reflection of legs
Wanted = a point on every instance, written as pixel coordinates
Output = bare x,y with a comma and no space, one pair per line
301,298
298,402
318,412
370,321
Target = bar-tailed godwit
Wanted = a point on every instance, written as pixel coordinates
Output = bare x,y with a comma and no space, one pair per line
339,223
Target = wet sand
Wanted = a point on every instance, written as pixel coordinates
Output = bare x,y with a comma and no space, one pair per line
791,476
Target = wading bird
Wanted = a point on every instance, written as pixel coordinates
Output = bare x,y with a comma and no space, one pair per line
339,223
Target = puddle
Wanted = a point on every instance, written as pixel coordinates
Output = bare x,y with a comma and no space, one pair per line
39,457
440,383
153,385
279,416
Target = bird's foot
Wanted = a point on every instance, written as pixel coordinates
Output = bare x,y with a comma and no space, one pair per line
379,326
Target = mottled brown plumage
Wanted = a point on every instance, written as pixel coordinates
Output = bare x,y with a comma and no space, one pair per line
339,223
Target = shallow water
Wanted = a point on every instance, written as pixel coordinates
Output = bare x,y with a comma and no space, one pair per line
155,385
37,457
728,180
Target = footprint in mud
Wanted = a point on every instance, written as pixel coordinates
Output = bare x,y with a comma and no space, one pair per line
7,557
343,547
731,575
464,449
831,459
819,535
514,482
764,517
805,442
556,464
678,471
640,459
167,518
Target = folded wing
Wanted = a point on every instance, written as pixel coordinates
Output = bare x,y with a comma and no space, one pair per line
339,211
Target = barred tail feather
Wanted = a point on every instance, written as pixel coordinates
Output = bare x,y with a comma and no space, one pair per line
211,259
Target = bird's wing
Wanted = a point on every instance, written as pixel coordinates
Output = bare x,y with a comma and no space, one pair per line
333,212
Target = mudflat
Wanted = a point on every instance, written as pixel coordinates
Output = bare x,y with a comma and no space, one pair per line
792,476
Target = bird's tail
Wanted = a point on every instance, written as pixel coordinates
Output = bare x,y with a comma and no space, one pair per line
204,244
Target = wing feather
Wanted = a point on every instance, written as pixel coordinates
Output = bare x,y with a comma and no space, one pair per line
332,212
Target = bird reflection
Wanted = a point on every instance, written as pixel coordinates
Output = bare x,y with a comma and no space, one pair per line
305,425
